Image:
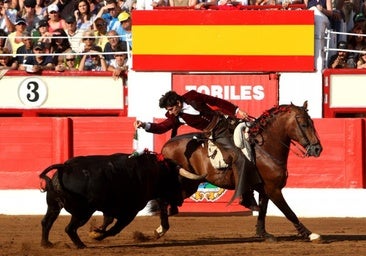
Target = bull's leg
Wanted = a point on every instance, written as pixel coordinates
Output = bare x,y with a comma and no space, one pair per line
121,223
98,232
53,210
278,199
164,220
261,220
73,226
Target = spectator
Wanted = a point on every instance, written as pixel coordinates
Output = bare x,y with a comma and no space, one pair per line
75,35
8,16
3,36
100,28
84,18
29,14
125,29
7,62
129,5
59,44
94,7
342,59
118,65
148,4
359,20
356,42
112,44
26,48
89,41
109,13
93,62
37,63
182,2
361,62
14,40
55,21
41,34
69,64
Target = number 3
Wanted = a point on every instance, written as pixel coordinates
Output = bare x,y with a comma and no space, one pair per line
32,92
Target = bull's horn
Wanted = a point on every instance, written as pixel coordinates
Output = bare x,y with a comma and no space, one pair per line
192,176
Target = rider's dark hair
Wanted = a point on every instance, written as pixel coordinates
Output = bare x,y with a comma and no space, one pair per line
170,99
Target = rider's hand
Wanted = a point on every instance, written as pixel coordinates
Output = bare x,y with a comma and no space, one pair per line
139,124
242,114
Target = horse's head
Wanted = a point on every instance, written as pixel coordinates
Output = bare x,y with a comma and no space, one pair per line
301,129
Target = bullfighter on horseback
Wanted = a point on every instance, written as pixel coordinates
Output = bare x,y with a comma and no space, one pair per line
194,109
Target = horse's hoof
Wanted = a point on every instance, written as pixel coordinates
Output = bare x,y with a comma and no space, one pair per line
314,237
267,237
46,244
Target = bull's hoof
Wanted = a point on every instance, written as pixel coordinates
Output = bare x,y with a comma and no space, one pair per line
46,244
159,232
81,246
96,235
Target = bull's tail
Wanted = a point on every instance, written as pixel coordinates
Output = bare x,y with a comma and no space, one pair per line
48,181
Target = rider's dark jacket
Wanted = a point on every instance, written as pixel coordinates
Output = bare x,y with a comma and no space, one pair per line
207,118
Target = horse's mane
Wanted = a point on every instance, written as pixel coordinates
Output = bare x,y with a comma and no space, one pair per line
268,116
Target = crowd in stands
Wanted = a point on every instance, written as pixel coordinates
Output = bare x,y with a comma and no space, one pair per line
96,35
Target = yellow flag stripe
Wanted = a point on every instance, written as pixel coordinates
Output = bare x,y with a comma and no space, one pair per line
264,40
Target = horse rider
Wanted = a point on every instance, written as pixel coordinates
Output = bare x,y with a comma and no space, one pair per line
194,109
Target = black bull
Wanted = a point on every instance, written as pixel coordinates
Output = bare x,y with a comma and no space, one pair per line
116,185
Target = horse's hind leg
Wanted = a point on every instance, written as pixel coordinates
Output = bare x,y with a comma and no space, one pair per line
278,199
53,210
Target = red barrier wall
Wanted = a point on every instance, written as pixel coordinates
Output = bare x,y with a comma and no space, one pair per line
28,145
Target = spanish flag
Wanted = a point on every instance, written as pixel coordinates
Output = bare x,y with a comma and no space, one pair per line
223,40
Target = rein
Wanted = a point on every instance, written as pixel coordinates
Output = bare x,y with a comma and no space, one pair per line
259,126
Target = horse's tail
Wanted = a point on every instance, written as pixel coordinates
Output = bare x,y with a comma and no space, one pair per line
48,181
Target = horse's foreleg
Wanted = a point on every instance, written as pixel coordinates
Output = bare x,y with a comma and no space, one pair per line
278,199
261,220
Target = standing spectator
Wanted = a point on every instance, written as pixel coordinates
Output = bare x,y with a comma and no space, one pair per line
356,42
55,21
118,65
15,40
41,34
8,16
84,18
75,35
361,62
38,62
129,5
26,48
7,62
29,14
125,30
148,4
109,13
3,36
59,44
95,62
100,27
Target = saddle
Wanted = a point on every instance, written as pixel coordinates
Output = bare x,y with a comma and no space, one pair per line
241,140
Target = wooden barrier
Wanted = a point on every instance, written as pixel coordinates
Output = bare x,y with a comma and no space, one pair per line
28,145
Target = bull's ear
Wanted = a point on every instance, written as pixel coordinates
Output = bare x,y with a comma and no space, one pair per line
305,105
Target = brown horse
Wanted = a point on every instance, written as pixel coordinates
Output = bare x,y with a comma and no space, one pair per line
271,135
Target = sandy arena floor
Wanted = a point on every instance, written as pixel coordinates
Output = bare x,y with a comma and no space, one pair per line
188,236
